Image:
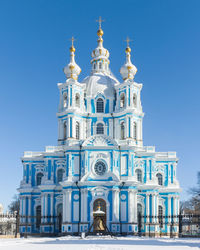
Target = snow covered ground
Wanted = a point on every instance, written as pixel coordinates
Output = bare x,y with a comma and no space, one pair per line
99,243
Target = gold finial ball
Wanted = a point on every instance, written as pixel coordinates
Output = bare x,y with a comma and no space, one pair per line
72,49
128,50
100,32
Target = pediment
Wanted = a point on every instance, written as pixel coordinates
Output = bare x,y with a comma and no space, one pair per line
99,140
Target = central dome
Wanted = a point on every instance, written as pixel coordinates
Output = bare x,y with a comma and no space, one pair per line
100,83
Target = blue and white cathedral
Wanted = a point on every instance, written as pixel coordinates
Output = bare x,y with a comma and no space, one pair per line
100,164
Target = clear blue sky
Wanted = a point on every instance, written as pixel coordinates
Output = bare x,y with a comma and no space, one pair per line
34,49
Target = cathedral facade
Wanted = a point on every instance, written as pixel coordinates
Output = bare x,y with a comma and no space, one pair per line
100,168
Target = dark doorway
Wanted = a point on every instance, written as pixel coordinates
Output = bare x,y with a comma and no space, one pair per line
59,217
38,217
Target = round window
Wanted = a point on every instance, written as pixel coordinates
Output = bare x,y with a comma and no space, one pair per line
100,168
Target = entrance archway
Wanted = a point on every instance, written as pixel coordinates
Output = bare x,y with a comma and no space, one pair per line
99,214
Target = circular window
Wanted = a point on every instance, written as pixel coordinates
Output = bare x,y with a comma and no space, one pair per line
100,168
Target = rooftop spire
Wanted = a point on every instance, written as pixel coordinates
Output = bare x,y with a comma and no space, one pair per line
100,61
128,70
72,70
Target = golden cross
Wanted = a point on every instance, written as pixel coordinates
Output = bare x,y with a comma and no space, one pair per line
100,21
72,39
128,41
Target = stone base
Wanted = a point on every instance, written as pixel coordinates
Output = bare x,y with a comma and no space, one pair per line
67,228
47,228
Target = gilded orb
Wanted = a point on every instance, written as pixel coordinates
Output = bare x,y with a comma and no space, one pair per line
100,32
72,49
128,50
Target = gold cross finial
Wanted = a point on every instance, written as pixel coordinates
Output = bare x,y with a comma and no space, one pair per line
72,39
72,49
128,41
100,21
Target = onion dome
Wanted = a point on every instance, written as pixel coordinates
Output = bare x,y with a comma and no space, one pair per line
128,70
100,55
72,70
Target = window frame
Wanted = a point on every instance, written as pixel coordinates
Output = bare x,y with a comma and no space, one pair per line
134,100
122,136
65,100
160,181
42,175
77,103
58,170
122,97
135,130
77,130
137,174
101,127
100,109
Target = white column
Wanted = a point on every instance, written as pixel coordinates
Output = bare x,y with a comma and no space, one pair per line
68,205
29,209
51,208
64,206
21,211
156,208
135,206
46,207
42,207
153,207
85,204
127,128
24,209
147,207
175,208
82,205
130,206
147,170
169,208
68,127
115,208
110,128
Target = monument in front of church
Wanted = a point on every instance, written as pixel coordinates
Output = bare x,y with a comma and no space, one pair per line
100,163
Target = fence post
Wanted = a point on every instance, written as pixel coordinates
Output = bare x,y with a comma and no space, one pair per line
180,224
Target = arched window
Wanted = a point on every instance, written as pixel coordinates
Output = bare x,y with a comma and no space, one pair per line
94,65
122,131
100,105
60,173
135,130
100,65
65,130
100,129
38,216
65,101
122,101
134,100
139,175
160,215
77,100
77,131
39,179
160,179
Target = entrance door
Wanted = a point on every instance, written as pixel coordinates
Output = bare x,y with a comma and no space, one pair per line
59,217
99,218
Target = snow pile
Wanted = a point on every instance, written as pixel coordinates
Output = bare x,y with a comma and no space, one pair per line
99,243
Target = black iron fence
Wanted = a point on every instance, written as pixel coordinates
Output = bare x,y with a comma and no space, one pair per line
183,225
